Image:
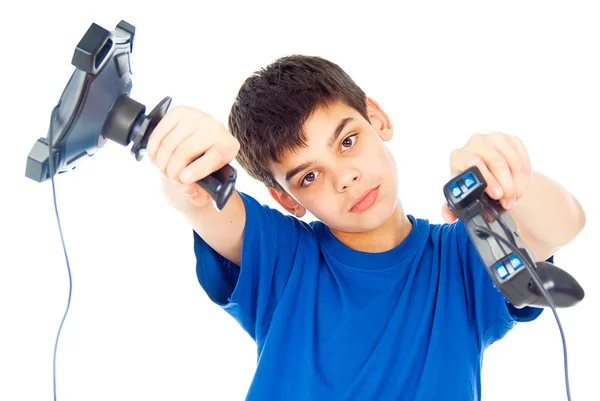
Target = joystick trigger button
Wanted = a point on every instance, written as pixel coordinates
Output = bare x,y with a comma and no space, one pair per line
469,180
515,262
455,189
502,271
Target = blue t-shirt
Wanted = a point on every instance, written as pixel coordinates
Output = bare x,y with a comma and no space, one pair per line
332,323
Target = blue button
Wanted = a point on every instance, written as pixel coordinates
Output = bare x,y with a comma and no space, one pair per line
515,262
456,191
469,180
502,271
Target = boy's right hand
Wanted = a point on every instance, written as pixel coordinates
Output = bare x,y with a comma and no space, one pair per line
188,145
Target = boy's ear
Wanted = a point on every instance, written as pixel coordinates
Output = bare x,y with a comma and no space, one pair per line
379,120
287,202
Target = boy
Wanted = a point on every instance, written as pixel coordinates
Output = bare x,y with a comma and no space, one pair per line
367,302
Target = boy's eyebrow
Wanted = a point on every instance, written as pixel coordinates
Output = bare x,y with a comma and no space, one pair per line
296,170
338,130
332,139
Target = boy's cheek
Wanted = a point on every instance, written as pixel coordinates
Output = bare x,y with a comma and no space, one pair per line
323,205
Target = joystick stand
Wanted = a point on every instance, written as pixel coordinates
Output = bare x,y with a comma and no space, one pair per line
95,107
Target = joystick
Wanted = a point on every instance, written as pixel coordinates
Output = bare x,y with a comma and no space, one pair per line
506,257
95,106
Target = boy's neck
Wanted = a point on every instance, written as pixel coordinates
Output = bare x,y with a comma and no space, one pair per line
383,238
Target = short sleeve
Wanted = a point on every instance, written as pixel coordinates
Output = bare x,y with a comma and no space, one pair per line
492,314
250,292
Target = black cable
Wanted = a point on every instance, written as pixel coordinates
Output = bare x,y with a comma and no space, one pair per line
51,168
505,228
539,283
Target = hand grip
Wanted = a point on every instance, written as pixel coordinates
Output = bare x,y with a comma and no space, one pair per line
220,185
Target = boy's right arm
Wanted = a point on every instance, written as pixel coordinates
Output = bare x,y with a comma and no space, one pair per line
188,145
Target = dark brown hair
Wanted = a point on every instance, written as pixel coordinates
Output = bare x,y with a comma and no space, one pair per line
273,104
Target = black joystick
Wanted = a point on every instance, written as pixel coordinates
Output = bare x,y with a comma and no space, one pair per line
95,106
506,257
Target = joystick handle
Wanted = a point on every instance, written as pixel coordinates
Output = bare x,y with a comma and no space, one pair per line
506,257
127,123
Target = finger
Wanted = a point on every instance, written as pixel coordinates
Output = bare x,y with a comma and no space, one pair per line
461,159
189,149
447,214
517,158
521,169
162,129
173,141
499,157
215,157
492,149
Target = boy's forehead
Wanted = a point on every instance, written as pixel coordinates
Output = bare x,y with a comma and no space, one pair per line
326,117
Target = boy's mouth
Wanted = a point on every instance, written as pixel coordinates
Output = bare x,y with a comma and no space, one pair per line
365,200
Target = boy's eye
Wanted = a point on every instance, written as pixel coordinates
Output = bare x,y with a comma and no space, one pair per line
308,178
348,142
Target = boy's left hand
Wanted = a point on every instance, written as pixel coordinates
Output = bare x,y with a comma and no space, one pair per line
503,162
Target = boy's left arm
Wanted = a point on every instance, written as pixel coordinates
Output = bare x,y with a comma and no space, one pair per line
548,216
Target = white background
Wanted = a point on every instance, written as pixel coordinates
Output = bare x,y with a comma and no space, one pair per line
140,326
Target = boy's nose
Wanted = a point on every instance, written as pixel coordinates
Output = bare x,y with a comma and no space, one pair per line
346,178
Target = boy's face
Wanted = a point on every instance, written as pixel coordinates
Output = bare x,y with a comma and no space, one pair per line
346,176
